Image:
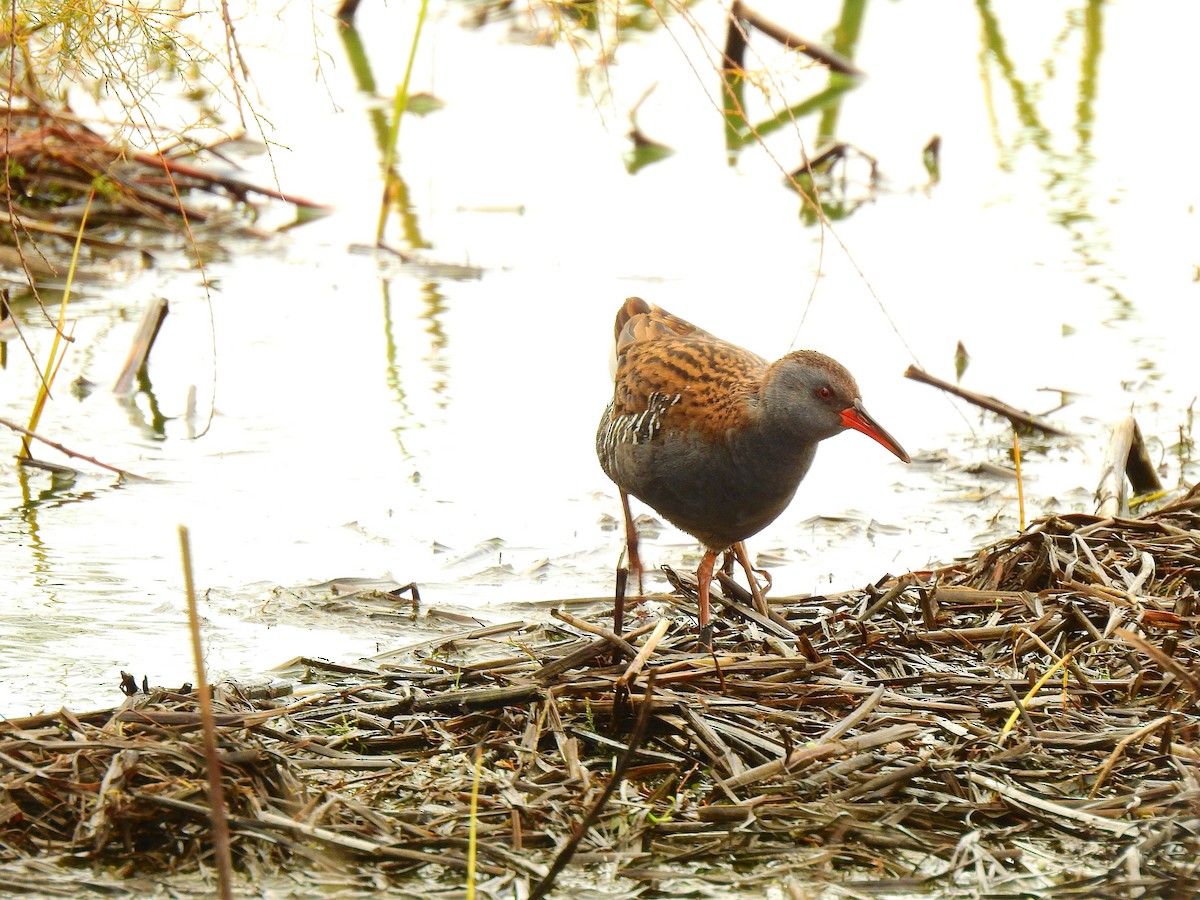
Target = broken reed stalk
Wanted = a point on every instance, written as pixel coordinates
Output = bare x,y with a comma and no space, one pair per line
1140,467
139,350
216,794
620,644
1125,457
54,360
618,775
1111,497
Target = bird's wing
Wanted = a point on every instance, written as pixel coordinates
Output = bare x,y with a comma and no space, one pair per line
685,382
638,320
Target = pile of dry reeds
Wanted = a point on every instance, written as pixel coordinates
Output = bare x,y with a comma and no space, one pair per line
56,162
1021,722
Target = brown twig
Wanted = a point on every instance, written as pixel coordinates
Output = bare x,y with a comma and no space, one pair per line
1014,415
233,185
792,41
69,452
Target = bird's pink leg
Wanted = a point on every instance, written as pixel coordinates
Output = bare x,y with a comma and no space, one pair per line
727,562
704,577
631,542
635,566
760,602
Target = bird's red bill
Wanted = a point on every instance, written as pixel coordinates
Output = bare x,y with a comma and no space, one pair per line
860,420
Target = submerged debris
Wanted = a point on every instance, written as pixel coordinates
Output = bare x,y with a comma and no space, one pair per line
1023,721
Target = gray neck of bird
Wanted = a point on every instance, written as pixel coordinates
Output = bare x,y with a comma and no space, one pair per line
776,447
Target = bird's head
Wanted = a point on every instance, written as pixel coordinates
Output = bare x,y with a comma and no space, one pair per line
814,397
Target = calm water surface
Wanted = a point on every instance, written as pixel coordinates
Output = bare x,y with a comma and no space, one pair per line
433,423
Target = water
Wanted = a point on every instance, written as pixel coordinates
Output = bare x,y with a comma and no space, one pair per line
372,418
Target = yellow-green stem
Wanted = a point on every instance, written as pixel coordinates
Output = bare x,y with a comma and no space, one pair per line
39,404
472,838
1020,483
399,106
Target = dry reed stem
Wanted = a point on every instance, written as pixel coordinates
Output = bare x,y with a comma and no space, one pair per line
216,793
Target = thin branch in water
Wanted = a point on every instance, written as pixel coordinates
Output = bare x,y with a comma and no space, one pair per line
1016,416
74,454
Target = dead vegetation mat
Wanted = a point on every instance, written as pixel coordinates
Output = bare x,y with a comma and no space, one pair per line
1022,721
66,179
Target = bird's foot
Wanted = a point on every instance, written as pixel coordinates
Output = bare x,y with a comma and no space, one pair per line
759,591
756,591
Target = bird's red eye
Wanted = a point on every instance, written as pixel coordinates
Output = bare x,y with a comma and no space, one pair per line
824,392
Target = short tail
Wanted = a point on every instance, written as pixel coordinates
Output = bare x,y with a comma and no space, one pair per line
638,320
631,308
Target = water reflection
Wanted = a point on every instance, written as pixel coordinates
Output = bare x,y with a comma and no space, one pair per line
39,561
434,361
829,179
433,311
62,480
145,413
1069,189
398,202
843,76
